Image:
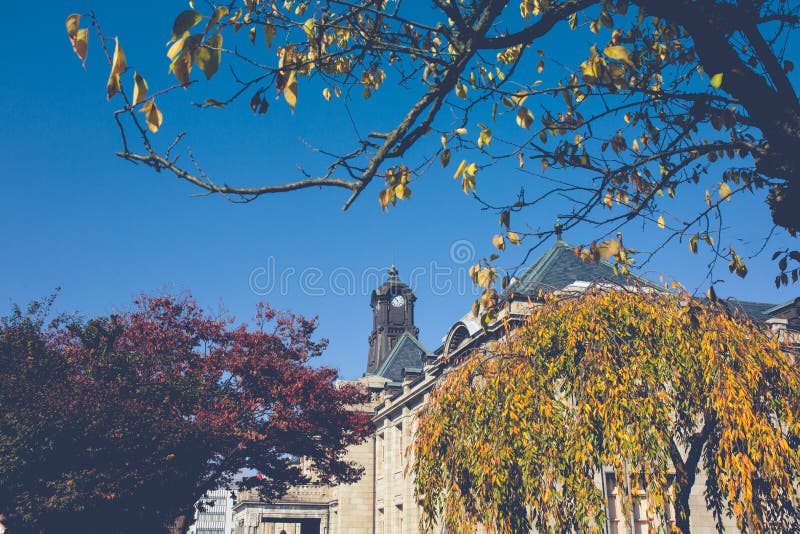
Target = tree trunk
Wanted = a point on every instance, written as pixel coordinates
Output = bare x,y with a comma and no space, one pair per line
682,513
180,524
686,472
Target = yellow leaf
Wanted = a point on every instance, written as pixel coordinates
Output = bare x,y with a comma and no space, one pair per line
139,89
708,198
118,66
269,34
486,276
401,190
476,308
518,98
499,242
485,137
175,49
290,90
215,17
524,117
80,43
461,131
661,223
383,199
72,24
183,22
208,57
460,170
152,115
309,28
521,160
182,67
235,16
118,63
514,238
326,94
467,183
716,80
724,191
461,91
609,248
619,53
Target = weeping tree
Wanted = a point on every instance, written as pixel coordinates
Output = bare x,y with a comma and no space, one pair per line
653,388
610,108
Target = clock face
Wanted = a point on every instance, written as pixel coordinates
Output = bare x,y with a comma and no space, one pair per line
398,300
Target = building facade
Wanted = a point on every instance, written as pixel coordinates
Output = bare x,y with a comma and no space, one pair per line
214,513
400,376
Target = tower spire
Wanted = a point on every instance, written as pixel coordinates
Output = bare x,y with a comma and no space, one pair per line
558,228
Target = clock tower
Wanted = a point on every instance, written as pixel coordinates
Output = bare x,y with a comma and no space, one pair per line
392,316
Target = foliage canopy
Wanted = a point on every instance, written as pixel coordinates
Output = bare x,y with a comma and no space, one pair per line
119,423
653,387
687,99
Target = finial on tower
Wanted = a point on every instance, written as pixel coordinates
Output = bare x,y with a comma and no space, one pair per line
557,228
393,271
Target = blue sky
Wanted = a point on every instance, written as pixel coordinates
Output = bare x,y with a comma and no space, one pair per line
78,217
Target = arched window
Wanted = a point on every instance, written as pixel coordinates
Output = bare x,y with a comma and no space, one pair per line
458,333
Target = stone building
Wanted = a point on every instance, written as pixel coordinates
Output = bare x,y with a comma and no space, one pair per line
400,375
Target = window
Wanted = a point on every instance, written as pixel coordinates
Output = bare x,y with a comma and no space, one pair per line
379,526
380,458
399,518
399,445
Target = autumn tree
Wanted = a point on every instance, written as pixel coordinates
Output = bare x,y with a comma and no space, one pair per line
654,388
119,423
687,99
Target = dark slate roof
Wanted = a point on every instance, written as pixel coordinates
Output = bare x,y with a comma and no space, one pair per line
559,267
758,311
408,353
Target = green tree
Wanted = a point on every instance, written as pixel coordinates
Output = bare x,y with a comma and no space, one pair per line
654,387
691,99
118,424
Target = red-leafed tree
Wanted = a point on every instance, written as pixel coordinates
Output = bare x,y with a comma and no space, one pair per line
117,424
